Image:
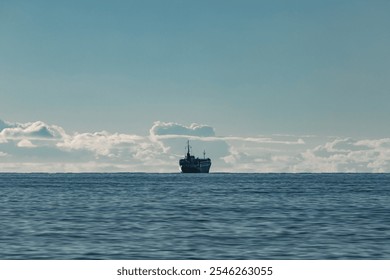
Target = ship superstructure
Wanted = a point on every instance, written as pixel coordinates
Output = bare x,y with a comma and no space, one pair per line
190,164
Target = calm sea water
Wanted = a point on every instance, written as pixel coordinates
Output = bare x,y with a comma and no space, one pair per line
194,216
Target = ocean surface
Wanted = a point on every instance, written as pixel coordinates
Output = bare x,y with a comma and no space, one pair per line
194,216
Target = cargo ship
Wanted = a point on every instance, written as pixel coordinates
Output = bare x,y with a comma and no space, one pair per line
190,164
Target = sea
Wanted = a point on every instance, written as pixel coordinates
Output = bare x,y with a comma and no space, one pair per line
129,216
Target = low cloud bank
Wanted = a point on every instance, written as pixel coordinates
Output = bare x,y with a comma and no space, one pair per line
37,146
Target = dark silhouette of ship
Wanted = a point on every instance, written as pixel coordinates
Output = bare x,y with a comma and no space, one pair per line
190,164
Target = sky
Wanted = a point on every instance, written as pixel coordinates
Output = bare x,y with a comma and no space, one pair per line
263,86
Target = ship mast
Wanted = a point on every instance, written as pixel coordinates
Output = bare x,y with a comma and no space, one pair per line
188,149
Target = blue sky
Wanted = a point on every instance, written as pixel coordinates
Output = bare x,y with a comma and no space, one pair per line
244,68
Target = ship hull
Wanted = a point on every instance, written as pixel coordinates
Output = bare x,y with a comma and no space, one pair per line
195,166
195,169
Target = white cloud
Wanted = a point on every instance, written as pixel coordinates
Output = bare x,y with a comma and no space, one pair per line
163,128
347,155
4,124
375,143
32,130
25,143
37,146
101,143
